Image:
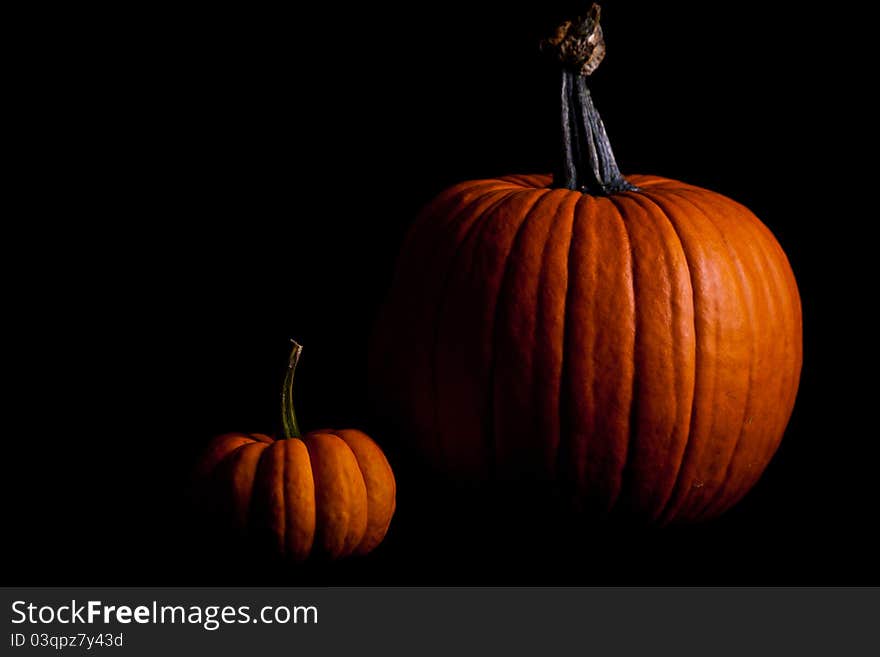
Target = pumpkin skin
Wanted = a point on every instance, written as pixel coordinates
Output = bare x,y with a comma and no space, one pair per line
329,494
641,349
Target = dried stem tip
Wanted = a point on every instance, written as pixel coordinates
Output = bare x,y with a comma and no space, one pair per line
579,44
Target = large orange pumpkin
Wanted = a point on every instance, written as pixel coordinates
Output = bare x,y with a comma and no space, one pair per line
328,493
638,341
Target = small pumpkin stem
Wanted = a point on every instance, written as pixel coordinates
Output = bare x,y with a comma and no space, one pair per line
288,414
587,161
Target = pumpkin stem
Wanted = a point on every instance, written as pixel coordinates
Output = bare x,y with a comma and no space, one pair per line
288,414
587,163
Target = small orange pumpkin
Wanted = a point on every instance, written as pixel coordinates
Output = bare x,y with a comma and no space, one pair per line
330,493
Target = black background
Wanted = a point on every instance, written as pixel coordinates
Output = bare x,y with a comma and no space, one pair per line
196,187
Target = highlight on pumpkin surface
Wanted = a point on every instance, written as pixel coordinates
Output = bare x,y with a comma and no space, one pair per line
635,341
328,493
